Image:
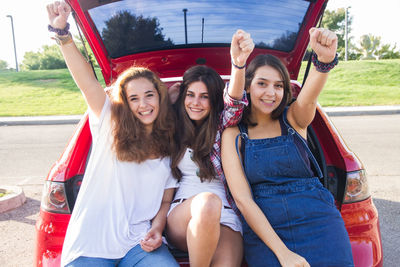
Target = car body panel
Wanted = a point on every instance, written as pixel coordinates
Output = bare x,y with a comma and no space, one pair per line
336,151
50,234
78,147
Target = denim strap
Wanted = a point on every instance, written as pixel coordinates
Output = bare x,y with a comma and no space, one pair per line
307,149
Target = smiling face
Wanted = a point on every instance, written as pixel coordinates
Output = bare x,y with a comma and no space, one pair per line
266,90
197,103
143,100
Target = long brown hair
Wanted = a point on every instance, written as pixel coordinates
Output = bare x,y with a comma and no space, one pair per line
274,62
200,138
131,142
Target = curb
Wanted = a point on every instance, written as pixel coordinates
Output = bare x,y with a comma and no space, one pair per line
14,199
74,119
40,120
362,110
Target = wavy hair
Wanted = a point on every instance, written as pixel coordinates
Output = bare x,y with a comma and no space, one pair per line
274,62
200,138
131,142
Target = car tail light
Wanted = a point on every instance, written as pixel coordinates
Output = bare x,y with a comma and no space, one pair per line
54,198
357,188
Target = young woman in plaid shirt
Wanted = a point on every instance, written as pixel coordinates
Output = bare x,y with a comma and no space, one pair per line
200,220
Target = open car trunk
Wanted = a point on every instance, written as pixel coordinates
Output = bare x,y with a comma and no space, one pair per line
170,36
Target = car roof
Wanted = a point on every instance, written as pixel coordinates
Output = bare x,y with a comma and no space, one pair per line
170,36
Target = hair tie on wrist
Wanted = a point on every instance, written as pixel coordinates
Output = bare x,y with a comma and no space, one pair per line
238,67
323,67
63,39
64,31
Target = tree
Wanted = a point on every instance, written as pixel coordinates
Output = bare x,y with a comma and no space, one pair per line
368,46
335,21
283,43
80,45
286,41
387,52
51,58
3,65
31,61
47,58
125,33
371,48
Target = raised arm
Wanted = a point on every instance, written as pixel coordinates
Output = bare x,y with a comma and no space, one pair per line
301,113
80,70
253,215
241,47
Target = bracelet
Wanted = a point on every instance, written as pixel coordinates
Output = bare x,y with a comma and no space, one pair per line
238,67
63,39
323,67
64,31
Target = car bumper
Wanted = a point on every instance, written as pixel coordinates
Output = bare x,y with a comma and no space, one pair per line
362,223
361,220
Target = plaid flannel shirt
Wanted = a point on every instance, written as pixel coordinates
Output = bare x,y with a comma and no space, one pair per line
230,116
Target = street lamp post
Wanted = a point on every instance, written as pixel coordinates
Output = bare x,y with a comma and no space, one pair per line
346,19
202,30
15,48
184,18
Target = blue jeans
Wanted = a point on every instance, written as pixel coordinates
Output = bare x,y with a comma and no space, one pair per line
135,257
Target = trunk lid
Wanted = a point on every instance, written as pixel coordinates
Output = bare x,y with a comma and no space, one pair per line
170,36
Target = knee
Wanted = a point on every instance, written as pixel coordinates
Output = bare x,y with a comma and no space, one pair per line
206,207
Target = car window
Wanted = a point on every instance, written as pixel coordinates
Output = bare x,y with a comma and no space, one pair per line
128,27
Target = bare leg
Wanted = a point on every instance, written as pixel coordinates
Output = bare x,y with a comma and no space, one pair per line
194,226
229,250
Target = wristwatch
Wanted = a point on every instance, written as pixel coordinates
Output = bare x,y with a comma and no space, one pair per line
63,39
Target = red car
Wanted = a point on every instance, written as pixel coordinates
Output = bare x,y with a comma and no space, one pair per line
170,36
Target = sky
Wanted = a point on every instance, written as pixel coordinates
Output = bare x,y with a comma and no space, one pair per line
379,18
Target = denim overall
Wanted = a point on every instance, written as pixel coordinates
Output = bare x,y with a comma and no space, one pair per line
301,211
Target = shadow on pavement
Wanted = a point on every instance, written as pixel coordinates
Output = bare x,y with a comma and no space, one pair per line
22,213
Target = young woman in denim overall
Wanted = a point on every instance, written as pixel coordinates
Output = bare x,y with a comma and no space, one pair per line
289,218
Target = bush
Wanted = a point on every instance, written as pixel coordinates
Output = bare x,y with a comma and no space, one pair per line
3,65
47,58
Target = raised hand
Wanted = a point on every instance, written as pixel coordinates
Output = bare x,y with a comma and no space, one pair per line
173,92
241,47
58,13
324,44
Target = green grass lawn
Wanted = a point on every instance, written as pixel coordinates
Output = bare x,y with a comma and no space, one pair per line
42,92
362,83
53,92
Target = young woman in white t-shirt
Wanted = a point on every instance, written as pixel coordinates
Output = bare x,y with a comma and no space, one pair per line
200,220
121,209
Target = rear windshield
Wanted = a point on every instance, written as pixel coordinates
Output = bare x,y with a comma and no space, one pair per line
129,27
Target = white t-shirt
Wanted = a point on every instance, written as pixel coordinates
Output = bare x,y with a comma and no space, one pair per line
116,200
